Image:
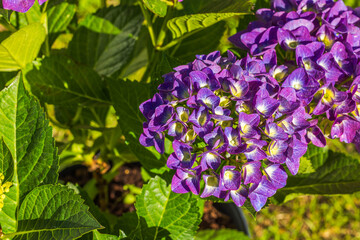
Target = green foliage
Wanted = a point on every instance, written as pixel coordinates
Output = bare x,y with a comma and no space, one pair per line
127,96
222,234
58,80
53,212
21,47
181,26
335,173
156,6
33,208
28,152
96,44
162,213
59,17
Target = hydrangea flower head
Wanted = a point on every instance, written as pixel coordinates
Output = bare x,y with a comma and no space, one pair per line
241,125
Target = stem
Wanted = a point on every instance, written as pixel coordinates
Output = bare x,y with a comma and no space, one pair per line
167,46
148,23
97,117
77,115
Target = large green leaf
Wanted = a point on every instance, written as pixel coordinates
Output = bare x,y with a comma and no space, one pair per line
221,234
156,6
58,80
166,214
184,25
53,212
28,138
107,53
337,174
21,47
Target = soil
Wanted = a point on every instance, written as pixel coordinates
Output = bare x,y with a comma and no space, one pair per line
131,174
214,219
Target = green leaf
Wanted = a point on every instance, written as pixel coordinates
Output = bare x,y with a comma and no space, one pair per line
59,17
102,236
5,77
194,44
338,174
127,97
107,53
53,212
225,6
58,80
221,234
167,214
21,47
99,25
28,137
184,25
156,6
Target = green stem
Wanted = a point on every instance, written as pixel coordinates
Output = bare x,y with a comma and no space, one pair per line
167,46
97,118
148,23
77,116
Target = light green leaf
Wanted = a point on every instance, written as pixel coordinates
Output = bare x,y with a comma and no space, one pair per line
338,174
99,25
221,234
156,6
21,47
107,53
102,236
184,25
58,80
53,212
167,214
29,139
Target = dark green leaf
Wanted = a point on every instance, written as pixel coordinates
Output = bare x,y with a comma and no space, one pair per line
58,80
107,53
199,43
28,137
127,97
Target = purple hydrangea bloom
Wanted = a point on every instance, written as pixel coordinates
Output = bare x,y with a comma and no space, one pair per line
240,125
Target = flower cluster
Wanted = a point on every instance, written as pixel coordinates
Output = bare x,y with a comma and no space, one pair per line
239,123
